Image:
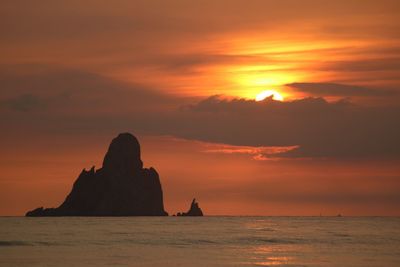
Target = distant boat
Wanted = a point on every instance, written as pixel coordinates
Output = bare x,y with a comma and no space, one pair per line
339,215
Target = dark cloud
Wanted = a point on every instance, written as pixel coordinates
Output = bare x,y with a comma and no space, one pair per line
318,127
26,87
334,89
25,102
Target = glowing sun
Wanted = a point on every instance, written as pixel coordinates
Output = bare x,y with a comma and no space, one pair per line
267,93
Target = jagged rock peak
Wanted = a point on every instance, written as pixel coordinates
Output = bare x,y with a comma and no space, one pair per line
123,154
194,210
122,187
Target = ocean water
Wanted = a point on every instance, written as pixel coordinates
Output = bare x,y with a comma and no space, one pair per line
205,241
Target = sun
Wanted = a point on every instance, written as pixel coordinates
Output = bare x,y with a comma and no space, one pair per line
267,93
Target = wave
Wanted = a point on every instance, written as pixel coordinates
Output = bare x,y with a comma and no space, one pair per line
25,243
178,242
262,240
13,243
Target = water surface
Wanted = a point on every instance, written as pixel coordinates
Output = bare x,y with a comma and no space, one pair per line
205,241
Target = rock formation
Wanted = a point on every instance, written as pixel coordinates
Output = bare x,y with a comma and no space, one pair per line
122,187
193,211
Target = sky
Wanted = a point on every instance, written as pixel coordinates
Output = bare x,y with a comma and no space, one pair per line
184,76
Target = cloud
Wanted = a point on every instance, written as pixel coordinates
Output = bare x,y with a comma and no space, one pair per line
258,153
334,89
71,102
25,102
391,63
319,128
68,90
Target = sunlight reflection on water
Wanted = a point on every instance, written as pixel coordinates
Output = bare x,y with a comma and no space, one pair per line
274,261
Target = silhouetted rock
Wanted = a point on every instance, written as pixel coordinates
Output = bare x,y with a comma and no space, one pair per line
122,187
193,211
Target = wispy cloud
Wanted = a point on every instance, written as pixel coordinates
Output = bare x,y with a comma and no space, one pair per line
258,153
334,89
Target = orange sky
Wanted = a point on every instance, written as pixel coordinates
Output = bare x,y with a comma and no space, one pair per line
183,76
228,184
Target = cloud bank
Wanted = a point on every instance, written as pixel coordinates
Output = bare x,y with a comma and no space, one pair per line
75,102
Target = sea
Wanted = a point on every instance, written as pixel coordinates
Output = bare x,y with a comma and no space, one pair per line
200,241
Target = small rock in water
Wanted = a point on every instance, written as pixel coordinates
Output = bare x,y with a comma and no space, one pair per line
193,211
